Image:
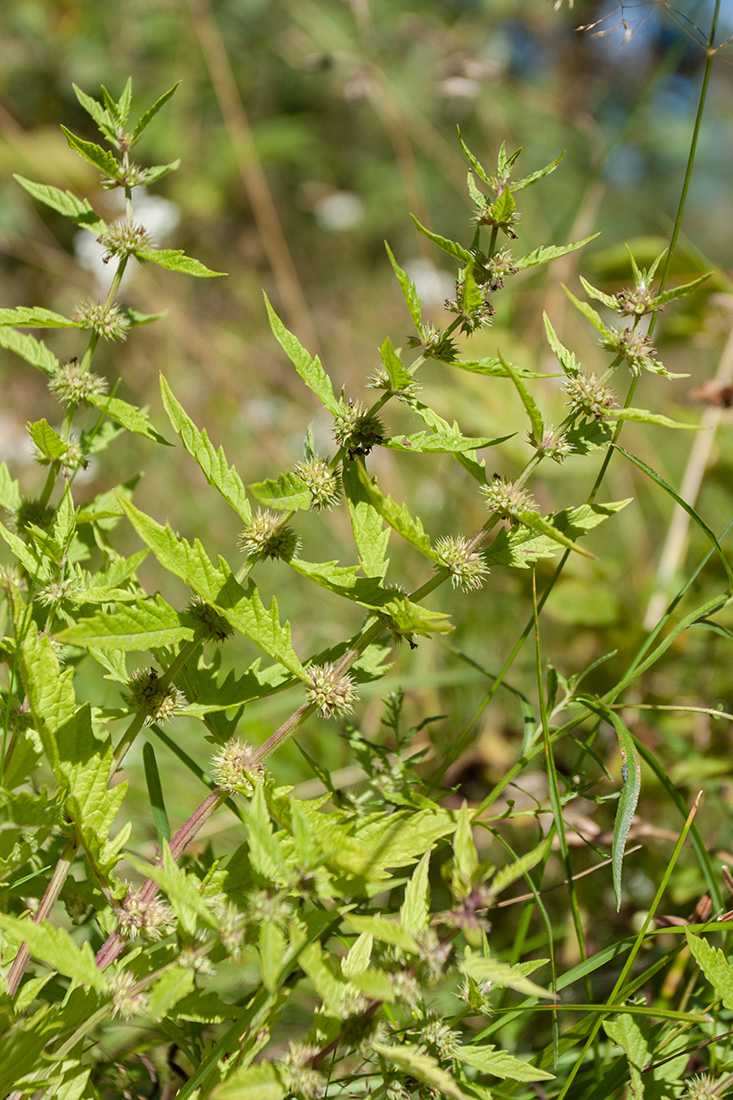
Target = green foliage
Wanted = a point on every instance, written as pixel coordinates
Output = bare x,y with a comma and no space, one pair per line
344,940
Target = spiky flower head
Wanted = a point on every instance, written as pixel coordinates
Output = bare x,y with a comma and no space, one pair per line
467,567
434,952
333,694
355,430
235,767
438,1037
208,619
298,1074
265,906
322,482
704,1087
434,344
196,960
32,512
73,384
68,462
395,1091
137,917
126,1000
156,701
634,347
406,988
231,922
551,445
508,499
265,536
60,589
107,321
380,380
122,239
637,300
588,395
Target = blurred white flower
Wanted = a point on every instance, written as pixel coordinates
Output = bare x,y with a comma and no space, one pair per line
433,285
338,211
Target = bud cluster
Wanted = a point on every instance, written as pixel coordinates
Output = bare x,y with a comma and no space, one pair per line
551,445
298,1074
208,619
588,395
634,347
435,344
123,240
508,499
127,1001
151,919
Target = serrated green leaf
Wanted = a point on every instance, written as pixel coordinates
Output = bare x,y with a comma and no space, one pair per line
329,574
76,210
510,873
157,172
273,949
261,1082
101,116
631,775
451,247
94,154
544,526
213,464
590,314
530,406
473,161
398,375
397,515
375,984
680,291
566,359
49,443
534,177
471,295
383,930
35,317
183,892
241,607
493,368
409,290
309,368
147,117
440,442
174,259
287,493
400,838
265,850
10,496
145,625
328,987
415,908
128,416
370,535
599,295
501,974
32,350
519,547
406,618
359,955
421,1066
501,212
168,990
55,947
643,416
498,1063
714,966
465,856
551,252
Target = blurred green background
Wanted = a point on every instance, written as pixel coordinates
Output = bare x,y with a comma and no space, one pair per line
308,129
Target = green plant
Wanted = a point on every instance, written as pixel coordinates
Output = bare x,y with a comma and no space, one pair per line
344,947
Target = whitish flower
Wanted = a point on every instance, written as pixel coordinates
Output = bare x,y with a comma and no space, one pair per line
266,537
467,567
156,701
436,1035
73,384
333,694
137,917
126,1000
588,395
507,498
298,1074
235,767
106,321
704,1087
321,480
355,430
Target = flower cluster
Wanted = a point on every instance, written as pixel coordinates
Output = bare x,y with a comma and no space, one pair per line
355,429
434,344
73,384
507,498
127,1000
588,395
321,481
265,536
235,767
334,695
136,917
298,1074
157,702
107,321
634,347
123,240
552,445
208,619
467,567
